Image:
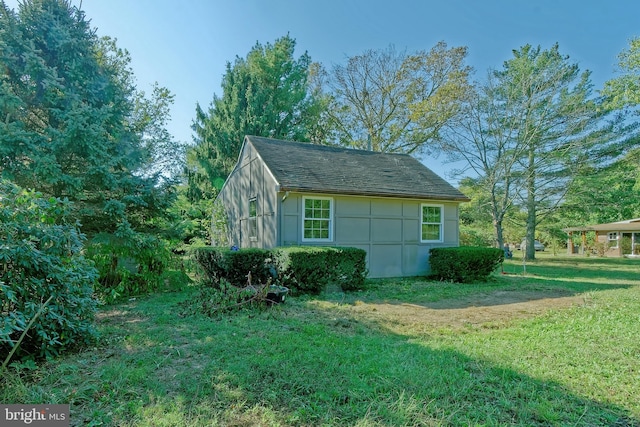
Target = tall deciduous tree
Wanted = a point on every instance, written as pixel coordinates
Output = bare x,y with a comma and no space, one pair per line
484,139
268,94
391,101
73,124
530,132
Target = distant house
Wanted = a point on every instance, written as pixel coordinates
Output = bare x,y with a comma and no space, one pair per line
284,193
618,239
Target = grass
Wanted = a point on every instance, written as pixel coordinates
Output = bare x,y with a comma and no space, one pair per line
557,346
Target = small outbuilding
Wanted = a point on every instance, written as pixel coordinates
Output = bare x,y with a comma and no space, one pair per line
284,193
616,239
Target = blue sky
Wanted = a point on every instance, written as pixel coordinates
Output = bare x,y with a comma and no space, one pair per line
185,45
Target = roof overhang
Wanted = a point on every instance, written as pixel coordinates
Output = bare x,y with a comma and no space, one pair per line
632,225
420,196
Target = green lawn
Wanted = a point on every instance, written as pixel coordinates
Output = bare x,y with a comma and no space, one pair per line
557,346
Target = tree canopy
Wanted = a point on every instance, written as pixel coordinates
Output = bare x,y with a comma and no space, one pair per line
624,90
392,101
529,132
73,123
268,93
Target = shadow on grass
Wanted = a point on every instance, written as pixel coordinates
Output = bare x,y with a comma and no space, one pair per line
501,290
527,290
589,268
298,365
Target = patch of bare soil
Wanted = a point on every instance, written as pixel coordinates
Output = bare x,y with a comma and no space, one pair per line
486,310
118,316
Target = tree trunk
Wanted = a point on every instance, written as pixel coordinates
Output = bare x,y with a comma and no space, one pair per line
497,226
531,208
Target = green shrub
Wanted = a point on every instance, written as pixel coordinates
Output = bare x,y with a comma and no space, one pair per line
234,266
310,269
350,267
41,260
129,262
464,264
302,269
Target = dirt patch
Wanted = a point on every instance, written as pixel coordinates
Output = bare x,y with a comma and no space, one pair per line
483,310
117,317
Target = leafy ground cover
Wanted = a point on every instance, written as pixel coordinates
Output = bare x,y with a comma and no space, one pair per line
555,346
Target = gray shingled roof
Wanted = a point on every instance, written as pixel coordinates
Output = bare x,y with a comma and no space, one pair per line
323,169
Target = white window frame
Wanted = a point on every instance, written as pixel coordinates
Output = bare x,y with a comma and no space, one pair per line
253,220
330,219
613,237
441,223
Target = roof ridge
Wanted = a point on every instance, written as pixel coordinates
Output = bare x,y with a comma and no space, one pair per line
327,146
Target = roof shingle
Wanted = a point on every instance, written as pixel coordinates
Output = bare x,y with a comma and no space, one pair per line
324,169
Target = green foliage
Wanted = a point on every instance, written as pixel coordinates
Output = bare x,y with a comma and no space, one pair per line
301,269
41,260
528,132
265,94
464,264
226,298
129,262
560,126
350,267
311,269
219,225
397,102
222,264
624,90
607,195
405,352
73,124
475,236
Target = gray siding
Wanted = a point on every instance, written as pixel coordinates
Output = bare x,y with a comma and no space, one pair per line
250,179
387,228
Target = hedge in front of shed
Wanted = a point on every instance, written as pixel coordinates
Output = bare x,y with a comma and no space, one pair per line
350,267
234,266
310,269
464,264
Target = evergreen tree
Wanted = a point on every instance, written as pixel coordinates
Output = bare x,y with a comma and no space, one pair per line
73,124
268,94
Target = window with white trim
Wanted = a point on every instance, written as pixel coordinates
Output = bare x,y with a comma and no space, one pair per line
431,229
613,239
253,219
317,219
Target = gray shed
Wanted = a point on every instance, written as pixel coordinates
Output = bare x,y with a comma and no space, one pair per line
284,193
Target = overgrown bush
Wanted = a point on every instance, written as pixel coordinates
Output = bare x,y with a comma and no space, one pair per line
311,269
129,262
234,266
464,264
41,262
